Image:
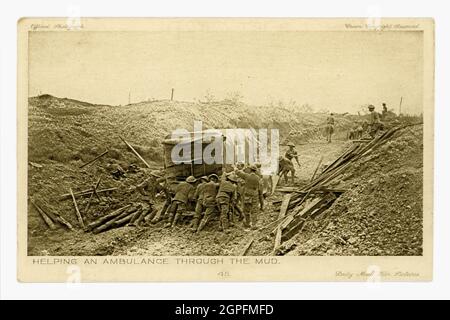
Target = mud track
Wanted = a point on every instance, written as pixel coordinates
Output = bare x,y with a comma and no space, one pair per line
154,239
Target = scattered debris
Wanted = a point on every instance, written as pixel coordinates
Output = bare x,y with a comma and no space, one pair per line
80,218
36,165
300,209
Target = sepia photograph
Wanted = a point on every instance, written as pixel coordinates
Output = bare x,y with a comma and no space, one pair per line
212,138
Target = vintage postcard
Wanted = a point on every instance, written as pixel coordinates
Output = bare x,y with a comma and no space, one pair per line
186,149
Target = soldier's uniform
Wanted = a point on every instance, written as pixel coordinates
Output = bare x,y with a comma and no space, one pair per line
198,196
252,195
374,121
330,127
225,197
117,171
209,199
183,193
149,188
288,165
365,125
385,111
359,131
169,193
351,134
240,192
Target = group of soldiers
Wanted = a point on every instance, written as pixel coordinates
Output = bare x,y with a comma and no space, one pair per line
235,195
371,126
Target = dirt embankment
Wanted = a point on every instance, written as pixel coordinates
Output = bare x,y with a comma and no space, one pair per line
66,130
64,133
381,213
149,239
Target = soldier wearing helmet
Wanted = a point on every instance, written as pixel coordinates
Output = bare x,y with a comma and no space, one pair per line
240,165
198,196
288,165
208,201
225,197
184,192
252,195
374,121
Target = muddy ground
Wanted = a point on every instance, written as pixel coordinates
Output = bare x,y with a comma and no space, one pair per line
150,239
380,214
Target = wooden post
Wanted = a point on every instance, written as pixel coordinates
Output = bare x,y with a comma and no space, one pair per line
80,219
96,158
247,246
47,220
317,168
283,209
112,222
135,152
171,96
54,216
103,219
84,193
94,191
400,106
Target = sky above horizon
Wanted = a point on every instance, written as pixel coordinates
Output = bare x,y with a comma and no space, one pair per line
338,71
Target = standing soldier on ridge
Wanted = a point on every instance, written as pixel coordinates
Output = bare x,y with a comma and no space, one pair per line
329,129
374,121
385,111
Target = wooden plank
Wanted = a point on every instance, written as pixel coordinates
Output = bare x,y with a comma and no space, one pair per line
105,218
80,218
47,220
282,214
305,210
317,168
275,179
93,160
94,191
135,152
57,217
292,231
277,241
63,221
84,193
246,247
284,206
124,220
112,222
136,215
298,223
142,216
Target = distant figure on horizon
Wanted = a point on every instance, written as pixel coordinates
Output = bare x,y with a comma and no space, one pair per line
385,111
329,129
